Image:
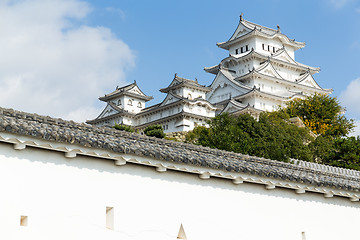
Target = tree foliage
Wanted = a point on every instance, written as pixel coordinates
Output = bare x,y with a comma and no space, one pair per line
322,114
270,137
340,152
154,131
274,137
123,127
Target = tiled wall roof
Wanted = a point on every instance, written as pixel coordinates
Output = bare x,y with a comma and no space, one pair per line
59,130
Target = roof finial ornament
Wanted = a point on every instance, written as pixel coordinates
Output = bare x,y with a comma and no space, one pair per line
175,75
134,81
241,17
196,80
278,28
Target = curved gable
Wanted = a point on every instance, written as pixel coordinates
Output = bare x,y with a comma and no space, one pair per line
282,55
224,86
308,80
268,69
170,98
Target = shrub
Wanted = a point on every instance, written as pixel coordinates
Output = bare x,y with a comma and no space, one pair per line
123,127
154,131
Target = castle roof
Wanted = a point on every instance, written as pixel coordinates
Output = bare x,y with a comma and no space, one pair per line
118,112
315,87
23,129
280,57
130,90
175,100
246,29
179,82
281,96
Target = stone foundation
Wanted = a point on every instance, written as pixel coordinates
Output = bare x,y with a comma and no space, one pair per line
178,136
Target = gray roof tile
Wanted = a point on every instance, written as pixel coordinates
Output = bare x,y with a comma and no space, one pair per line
59,130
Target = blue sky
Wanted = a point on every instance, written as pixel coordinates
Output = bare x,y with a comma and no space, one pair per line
96,45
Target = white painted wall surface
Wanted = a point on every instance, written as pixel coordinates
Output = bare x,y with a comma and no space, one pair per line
134,107
67,199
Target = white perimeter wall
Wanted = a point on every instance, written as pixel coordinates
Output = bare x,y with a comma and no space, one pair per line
66,199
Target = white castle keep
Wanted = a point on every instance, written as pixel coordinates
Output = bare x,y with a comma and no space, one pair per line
259,74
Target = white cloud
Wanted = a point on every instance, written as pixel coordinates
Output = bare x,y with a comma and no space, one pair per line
350,97
356,131
51,63
118,11
339,3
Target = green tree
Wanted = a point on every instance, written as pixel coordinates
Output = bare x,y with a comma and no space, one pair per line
123,127
270,137
340,152
154,131
274,137
322,114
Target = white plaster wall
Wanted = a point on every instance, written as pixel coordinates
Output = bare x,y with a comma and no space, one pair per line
243,68
250,42
270,86
287,74
117,103
291,51
66,199
274,42
193,93
134,108
266,104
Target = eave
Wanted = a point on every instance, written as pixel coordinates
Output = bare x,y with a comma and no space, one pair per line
182,101
186,84
107,98
255,32
253,54
255,73
181,114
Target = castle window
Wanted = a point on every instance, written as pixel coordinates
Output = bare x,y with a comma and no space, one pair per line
247,47
273,49
110,218
263,45
268,48
242,49
23,221
119,102
130,102
189,96
139,105
237,51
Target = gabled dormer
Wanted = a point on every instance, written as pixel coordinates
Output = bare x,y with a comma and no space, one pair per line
308,80
283,55
268,69
129,98
186,88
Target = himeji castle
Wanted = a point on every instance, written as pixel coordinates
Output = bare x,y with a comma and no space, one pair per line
259,74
